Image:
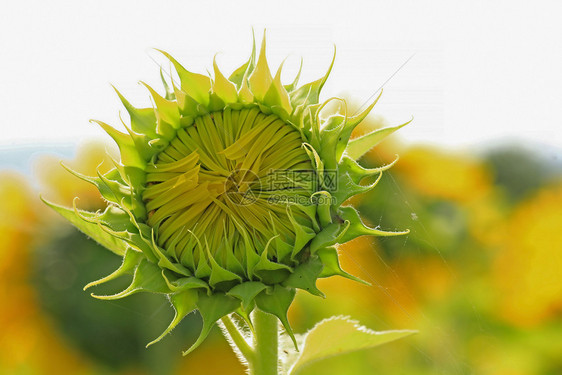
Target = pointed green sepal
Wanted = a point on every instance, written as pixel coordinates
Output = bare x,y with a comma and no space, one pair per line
212,308
309,93
331,265
110,190
347,187
169,92
145,149
270,272
143,120
330,137
203,270
350,124
244,313
245,94
224,89
240,75
130,156
358,228
277,96
164,261
221,275
195,85
133,239
186,104
324,203
177,285
131,260
277,302
329,236
290,87
356,172
260,80
147,278
90,228
360,146
303,234
247,292
166,110
183,302
305,275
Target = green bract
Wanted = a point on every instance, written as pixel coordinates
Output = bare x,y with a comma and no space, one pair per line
230,193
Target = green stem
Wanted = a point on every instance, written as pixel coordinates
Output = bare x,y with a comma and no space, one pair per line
265,344
238,339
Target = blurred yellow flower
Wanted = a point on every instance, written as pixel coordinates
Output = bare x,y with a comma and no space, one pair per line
445,175
527,271
486,219
28,342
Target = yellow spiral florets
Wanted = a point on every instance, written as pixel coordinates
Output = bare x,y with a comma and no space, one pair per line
222,188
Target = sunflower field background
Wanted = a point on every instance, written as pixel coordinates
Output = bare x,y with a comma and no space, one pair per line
478,276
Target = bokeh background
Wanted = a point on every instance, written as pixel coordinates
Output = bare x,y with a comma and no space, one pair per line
478,183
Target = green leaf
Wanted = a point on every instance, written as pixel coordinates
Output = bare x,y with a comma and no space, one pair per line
360,146
340,335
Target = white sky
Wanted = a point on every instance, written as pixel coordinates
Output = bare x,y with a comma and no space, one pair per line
481,72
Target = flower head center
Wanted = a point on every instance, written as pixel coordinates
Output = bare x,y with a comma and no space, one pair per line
210,191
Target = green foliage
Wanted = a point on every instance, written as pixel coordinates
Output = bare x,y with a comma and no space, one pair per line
336,336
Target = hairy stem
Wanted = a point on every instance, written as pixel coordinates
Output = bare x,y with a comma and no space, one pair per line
238,339
265,344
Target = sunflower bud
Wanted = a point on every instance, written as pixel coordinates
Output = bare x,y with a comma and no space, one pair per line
228,195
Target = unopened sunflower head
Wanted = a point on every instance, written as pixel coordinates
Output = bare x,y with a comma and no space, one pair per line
229,193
